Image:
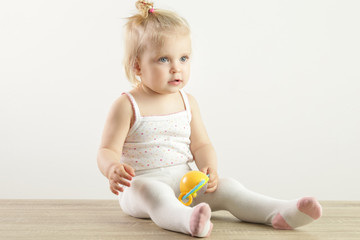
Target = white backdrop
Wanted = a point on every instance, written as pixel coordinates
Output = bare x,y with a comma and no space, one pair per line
278,84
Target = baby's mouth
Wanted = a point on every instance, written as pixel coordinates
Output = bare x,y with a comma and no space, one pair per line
175,82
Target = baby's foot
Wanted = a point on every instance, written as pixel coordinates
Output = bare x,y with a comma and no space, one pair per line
200,225
307,210
310,206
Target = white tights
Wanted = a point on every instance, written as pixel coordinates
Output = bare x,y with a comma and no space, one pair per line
153,194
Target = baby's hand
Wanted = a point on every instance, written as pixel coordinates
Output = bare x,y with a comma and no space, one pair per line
213,179
119,176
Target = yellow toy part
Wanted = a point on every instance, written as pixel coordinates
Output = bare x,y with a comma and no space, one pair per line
190,184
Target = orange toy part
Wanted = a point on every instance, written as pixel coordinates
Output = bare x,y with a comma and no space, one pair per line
190,184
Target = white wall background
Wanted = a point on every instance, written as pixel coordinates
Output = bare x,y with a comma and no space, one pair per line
278,83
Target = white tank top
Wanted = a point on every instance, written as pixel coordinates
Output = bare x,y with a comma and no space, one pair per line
158,141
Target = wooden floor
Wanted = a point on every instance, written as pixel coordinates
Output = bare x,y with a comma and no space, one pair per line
103,219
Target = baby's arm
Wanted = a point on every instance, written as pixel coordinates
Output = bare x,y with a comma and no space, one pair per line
114,134
201,147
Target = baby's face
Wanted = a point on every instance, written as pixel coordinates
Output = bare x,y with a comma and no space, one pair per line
166,68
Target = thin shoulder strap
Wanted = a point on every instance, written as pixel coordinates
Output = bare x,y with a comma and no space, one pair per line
187,104
134,105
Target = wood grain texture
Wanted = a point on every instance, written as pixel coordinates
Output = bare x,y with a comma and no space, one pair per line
103,219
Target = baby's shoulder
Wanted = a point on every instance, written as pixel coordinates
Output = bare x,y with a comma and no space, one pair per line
192,101
122,106
190,97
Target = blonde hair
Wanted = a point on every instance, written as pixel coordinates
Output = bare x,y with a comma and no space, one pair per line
149,25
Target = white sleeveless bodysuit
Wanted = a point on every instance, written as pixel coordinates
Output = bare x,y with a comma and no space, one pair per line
158,141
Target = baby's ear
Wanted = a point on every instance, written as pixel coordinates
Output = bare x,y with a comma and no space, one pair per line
136,67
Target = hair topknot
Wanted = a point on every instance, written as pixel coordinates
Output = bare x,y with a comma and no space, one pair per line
144,7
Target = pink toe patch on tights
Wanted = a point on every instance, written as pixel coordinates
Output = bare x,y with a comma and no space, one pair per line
201,215
310,206
279,222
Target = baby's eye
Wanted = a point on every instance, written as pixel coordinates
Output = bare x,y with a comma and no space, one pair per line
163,59
184,58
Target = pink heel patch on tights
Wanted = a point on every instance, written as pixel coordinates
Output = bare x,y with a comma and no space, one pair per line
279,222
310,206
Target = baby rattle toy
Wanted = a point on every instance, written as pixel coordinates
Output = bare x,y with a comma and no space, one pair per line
190,184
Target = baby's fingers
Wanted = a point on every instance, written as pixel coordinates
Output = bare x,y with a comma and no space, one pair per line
212,184
211,187
119,180
116,189
123,173
118,186
130,170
